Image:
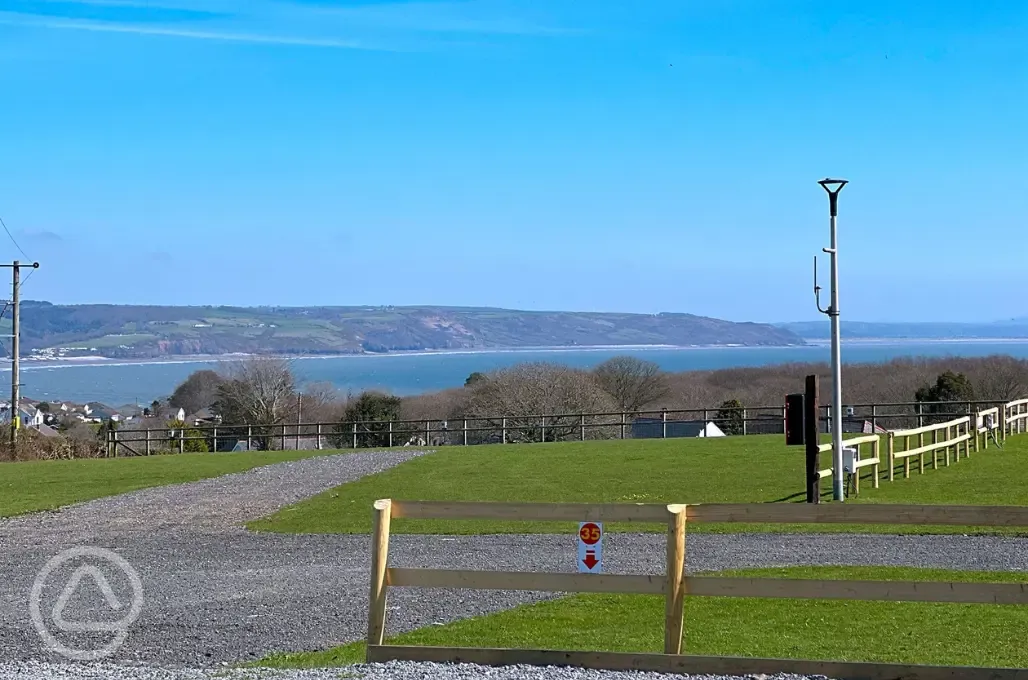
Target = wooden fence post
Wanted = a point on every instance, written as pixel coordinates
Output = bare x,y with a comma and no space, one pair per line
465,432
582,423
875,451
182,439
503,430
874,419
920,456
542,428
355,435
811,439
744,422
920,414
674,606
379,562
390,434
935,452
906,459
892,452
948,437
114,441
317,433
147,441
622,424
856,475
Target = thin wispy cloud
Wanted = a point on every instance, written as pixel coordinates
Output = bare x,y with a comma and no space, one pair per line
137,29
392,26
42,235
442,17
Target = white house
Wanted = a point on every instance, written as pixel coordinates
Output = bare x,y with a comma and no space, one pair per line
655,428
28,413
172,413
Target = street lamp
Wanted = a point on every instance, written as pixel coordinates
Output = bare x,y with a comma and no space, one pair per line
833,187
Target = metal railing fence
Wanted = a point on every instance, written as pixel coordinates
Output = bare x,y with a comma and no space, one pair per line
857,418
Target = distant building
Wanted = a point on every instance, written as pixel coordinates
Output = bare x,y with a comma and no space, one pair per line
29,415
852,425
654,428
170,413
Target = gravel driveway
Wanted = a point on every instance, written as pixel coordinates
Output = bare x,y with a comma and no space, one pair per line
215,593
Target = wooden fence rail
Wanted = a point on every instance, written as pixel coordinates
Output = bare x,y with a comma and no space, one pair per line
986,424
945,436
1015,418
874,461
674,585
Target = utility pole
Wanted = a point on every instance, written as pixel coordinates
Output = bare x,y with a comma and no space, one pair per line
833,187
16,349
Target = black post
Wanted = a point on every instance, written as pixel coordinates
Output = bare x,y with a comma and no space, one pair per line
812,438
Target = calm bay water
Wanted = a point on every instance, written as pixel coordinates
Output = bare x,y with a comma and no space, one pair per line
117,384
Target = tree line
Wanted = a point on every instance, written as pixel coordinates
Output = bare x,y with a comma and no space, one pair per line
264,391
258,397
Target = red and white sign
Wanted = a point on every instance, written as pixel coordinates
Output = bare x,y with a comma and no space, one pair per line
590,547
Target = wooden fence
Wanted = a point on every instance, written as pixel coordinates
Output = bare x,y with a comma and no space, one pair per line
986,424
674,585
860,461
144,437
944,437
1014,418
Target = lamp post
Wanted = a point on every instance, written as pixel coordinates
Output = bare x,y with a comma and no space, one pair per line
833,187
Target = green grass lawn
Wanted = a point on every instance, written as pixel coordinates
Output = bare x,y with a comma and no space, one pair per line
732,469
757,468
896,632
49,484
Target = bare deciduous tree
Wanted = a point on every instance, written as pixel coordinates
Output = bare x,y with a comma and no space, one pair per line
320,402
524,393
260,391
632,382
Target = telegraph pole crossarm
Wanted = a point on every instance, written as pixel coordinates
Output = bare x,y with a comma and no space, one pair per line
833,187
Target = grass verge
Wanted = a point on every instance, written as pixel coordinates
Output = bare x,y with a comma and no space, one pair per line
896,632
755,469
36,485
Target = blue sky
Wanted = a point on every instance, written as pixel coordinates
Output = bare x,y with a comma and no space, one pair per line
623,156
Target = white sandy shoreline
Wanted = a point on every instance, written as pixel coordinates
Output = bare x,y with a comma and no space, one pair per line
30,364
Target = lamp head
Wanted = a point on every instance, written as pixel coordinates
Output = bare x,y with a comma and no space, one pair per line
833,186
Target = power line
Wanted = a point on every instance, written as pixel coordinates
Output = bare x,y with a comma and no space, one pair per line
23,282
13,240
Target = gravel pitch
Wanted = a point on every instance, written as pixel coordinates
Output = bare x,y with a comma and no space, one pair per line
389,671
216,594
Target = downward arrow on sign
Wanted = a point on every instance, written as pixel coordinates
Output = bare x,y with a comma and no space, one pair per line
590,559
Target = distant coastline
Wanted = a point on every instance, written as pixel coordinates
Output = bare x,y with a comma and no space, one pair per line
30,363
917,341
37,364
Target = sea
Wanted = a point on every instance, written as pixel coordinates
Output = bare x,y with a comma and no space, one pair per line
117,383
